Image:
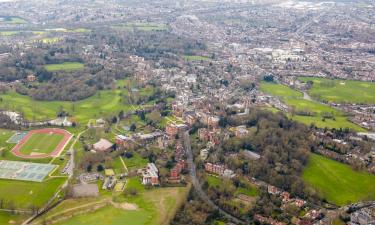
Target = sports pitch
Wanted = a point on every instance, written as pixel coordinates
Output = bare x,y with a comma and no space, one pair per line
15,170
49,142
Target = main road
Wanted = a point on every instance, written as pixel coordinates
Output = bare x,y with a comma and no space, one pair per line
197,185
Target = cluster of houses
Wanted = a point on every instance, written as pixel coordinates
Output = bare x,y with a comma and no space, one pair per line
218,169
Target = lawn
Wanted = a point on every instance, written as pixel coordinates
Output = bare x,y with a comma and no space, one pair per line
41,143
135,162
104,103
23,194
66,66
8,33
51,40
341,91
8,218
155,206
196,58
338,183
12,20
213,181
250,191
318,110
142,26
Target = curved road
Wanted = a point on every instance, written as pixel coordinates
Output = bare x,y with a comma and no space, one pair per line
197,185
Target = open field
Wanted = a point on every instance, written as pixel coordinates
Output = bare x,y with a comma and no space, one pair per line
8,33
49,40
341,91
104,103
25,193
152,207
196,58
8,218
41,143
337,182
317,110
12,20
66,66
135,162
142,26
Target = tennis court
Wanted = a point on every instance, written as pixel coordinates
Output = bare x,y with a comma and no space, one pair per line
15,170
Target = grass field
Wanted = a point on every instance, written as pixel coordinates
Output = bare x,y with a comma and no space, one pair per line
8,33
41,143
155,207
142,26
23,194
295,99
8,218
337,182
66,66
135,162
12,20
51,40
103,103
341,91
196,58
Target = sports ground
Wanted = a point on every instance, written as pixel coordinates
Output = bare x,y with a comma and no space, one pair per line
15,170
43,143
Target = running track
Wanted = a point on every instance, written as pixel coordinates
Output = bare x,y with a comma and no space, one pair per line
59,148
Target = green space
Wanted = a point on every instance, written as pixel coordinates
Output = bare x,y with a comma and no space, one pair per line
341,91
338,183
12,20
66,66
135,162
8,218
153,207
51,40
142,26
196,58
8,33
24,194
103,103
308,112
249,191
213,181
41,143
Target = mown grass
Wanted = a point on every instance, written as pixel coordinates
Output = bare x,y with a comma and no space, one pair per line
318,112
341,91
13,20
66,66
104,103
24,194
135,162
41,143
196,58
142,26
8,218
338,183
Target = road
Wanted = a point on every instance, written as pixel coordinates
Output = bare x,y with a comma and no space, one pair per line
197,185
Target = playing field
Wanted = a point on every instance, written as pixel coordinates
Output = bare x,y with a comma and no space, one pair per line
341,91
337,182
295,99
17,170
41,143
66,66
195,58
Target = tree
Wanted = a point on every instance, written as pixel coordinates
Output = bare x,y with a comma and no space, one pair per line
133,127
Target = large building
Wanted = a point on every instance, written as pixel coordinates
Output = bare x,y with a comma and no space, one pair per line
150,175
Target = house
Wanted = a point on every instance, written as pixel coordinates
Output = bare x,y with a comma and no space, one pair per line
241,131
173,129
124,141
150,175
273,190
31,78
286,196
228,173
177,169
251,155
214,168
204,154
102,145
299,202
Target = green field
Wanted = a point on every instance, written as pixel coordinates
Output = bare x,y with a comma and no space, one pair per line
12,20
337,182
8,218
196,58
41,143
52,40
135,162
317,110
154,207
142,26
341,91
8,33
66,66
23,194
104,103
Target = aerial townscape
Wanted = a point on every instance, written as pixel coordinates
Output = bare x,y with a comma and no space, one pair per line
187,112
